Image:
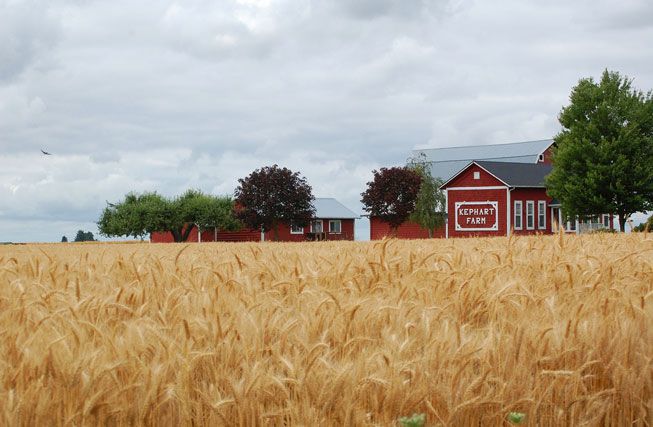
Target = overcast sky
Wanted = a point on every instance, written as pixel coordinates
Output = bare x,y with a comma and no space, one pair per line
166,96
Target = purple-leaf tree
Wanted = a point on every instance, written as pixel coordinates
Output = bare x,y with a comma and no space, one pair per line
271,195
392,194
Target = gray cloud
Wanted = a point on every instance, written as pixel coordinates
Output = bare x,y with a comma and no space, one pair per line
27,30
374,9
626,15
172,95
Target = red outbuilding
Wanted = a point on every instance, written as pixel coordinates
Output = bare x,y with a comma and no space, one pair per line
333,221
407,230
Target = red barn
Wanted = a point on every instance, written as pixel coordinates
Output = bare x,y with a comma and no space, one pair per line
447,162
333,221
491,198
496,198
492,189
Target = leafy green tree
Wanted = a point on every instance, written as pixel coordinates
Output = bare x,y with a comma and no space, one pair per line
603,157
271,195
392,194
430,205
136,216
64,239
142,214
205,211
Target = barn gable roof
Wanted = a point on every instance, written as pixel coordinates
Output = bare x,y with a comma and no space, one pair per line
330,208
446,162
518,174
512,174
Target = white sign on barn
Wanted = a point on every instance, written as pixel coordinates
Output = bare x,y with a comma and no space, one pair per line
477,216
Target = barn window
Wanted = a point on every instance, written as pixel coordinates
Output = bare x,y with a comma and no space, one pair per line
518,214
477,175
540,158
541,214
296,229
530,215
606,220
316,226
571,225
335,226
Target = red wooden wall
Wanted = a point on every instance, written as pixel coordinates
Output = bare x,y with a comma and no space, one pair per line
548,156
408,230
346,228
346,232
466,178
528,194
477,195
209,236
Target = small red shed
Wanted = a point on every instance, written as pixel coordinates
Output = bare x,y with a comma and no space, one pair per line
333,221
407,230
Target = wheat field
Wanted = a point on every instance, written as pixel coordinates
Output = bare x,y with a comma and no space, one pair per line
559,328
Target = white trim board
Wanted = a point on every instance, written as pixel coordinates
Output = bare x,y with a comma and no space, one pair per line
508,212
489,187
446,218
473,162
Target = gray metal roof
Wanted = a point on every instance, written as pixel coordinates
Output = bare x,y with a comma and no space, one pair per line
446,162
518,174
329,208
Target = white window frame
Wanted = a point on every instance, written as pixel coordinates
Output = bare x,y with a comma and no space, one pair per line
299,231
605,219
518,215
313,223
477,175
335,221
541,214
572,225
530,204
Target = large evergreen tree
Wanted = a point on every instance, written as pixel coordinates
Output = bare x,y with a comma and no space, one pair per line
603,157
271,195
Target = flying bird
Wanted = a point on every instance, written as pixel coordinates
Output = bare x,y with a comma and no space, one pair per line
46,153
